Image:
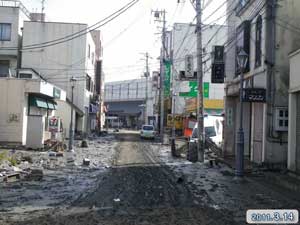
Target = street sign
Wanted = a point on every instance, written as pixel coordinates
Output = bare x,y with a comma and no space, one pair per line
167,80
254,95
56,93
189,66
54,123
194,90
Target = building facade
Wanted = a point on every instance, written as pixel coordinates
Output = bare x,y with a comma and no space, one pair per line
12,15
184,40
127,101
76,56
263,29
27,105
294,113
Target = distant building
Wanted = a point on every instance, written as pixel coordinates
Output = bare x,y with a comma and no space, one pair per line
127,100
184,44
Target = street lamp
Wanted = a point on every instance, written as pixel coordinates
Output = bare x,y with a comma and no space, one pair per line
242,62
71,132
173,138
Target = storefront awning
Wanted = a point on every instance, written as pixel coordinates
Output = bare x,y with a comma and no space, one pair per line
52,105
42,103
214,112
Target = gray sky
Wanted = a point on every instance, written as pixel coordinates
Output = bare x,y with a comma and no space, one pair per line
130,34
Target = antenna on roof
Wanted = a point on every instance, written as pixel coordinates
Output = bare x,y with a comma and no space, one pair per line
43,6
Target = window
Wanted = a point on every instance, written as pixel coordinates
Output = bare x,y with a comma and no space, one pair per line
4,68
282,119
25,75
258,41
88,83
243,43
89,51
5,31
241,4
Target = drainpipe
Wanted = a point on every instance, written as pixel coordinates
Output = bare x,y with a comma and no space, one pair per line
19,57
270,61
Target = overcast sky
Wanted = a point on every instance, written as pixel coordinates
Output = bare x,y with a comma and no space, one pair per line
131,34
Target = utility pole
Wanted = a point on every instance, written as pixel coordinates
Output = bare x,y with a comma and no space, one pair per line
146,75
42,10
157,15
200,118
71,132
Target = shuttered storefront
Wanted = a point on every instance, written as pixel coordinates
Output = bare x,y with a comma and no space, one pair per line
298,134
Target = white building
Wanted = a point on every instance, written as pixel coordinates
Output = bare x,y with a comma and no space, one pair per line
74,56
294,113
184,40
263,29
26,107
12,14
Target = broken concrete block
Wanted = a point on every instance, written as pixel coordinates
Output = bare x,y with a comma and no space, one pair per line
16,169
59,154
86,162
35,175
27,158
11,177
52,154
84,144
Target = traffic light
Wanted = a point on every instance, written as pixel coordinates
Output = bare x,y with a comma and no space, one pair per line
218,73
218,54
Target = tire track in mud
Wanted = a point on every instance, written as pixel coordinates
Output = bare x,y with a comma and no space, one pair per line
143,191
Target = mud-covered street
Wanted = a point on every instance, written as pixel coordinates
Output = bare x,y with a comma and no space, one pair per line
140,186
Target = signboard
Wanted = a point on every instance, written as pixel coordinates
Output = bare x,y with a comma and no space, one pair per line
167,80
189,66
54,124
194,90
56,93
254,95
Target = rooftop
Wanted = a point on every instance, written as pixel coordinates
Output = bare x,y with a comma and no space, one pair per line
15,4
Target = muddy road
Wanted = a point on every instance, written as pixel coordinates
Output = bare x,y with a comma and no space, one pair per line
137,189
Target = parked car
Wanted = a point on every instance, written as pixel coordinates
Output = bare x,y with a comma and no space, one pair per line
147,131
213,129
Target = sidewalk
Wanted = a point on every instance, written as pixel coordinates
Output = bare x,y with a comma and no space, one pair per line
276,176
259,190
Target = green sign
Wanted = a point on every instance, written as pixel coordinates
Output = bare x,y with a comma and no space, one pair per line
167,80
194,90
206,90
56,93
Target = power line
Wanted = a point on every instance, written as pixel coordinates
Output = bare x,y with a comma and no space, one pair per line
118,13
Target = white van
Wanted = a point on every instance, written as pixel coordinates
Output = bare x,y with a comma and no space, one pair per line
213,129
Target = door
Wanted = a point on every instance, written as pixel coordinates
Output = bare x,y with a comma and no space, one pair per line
257,130
35,132
298,134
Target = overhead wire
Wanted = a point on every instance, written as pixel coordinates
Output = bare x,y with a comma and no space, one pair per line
63,40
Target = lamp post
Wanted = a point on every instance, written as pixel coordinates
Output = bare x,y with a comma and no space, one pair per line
242,62
173,138
71,132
